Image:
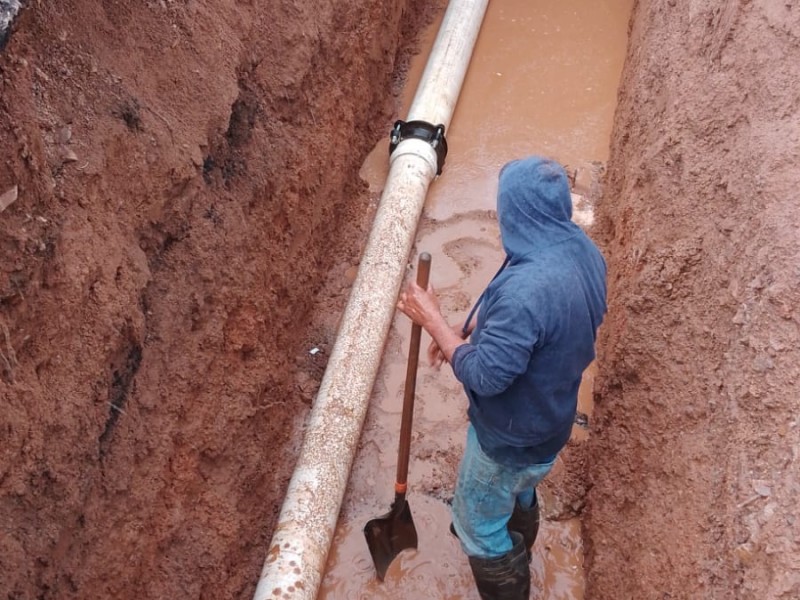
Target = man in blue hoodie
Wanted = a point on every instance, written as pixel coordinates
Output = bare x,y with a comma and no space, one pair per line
532,339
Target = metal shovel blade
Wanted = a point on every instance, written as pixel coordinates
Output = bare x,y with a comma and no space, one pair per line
390,534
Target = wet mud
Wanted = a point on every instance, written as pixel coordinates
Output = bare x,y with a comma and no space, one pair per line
543,80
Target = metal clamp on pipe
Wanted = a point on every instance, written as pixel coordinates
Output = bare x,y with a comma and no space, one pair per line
420,130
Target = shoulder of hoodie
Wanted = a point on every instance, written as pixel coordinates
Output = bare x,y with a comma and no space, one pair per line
535,281
551,263
524,285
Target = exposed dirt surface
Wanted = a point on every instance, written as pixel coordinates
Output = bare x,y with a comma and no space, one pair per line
694,467
180,176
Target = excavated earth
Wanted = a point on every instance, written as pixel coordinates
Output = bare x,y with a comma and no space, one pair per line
179,195
185,176
695,452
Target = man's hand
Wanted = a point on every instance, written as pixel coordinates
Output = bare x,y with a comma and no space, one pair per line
422,307
435,354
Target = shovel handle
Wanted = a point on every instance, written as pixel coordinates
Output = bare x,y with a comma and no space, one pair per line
423,274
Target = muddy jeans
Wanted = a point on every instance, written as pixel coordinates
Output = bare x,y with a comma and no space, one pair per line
484,499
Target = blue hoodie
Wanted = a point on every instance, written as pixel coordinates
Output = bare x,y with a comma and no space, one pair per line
537,322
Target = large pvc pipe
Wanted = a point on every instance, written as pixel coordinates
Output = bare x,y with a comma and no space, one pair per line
299,549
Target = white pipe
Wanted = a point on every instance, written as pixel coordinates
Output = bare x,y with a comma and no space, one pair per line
299,549
8,11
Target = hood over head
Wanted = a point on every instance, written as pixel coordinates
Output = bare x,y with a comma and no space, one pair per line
534,206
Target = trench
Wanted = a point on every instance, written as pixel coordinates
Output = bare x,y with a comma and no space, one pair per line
543,80
180,224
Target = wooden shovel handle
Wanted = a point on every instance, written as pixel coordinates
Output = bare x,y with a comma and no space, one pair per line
423,274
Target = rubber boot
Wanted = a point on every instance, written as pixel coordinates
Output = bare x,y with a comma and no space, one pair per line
526,522
505,578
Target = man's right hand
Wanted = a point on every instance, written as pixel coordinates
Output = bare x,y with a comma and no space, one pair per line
422,307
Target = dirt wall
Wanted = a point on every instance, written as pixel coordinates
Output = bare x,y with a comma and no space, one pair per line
185,176
695,447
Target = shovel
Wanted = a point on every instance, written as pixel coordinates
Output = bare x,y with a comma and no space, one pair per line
390,534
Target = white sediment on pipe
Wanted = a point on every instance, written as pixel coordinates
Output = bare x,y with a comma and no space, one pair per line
8,10
299,548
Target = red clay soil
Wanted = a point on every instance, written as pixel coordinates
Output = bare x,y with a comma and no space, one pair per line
695,453
186,177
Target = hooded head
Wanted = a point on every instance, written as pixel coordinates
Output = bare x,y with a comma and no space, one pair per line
534,206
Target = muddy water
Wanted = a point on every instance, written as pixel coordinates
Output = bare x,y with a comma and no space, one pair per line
543,80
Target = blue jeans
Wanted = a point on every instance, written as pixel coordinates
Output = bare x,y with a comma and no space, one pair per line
485,495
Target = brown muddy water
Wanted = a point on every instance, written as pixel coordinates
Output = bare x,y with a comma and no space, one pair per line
543,80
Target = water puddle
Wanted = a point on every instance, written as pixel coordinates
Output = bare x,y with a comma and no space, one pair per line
438,569
543,80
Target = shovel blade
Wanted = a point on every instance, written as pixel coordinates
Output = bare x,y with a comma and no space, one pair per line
390,534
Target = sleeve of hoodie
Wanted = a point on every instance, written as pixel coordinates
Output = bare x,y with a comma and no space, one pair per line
506,342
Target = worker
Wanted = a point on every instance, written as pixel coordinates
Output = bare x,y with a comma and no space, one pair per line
532,336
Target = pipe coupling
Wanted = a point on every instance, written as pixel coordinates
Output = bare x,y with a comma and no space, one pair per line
420,130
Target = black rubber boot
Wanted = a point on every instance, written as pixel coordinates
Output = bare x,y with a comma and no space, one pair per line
505,578
526,522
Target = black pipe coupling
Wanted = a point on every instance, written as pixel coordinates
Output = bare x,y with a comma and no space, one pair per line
421,130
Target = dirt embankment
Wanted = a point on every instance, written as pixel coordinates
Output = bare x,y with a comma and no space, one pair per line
695,471
186,175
